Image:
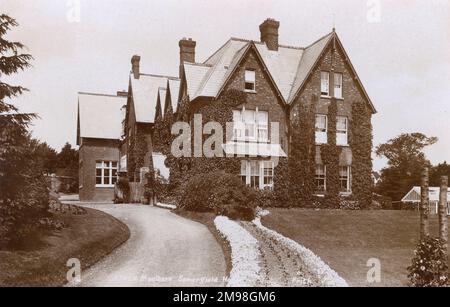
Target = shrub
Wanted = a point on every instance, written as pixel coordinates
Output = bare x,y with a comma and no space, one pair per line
123,185
219,192
429,265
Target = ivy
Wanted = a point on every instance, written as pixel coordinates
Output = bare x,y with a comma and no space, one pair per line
360,139
301,162
330,153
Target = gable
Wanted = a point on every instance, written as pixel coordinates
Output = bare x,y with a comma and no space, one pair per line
312,63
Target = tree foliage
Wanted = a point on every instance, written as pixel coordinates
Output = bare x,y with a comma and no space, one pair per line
406,159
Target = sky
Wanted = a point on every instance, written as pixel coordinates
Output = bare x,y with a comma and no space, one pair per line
400,49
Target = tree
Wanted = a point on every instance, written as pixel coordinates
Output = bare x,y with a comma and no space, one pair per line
67,158
46,156
24,198
442,169
13,124
405,163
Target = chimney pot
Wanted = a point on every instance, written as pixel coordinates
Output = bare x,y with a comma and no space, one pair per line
269,33
135,66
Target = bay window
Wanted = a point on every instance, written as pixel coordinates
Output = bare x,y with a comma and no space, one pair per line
250,125
342,131
105,173
257,174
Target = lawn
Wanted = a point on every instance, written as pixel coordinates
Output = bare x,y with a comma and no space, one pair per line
41,260
347,239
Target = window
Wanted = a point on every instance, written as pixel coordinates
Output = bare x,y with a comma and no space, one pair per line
105,173
250,125
263,126
257,174
325,83
267,172
321,177
344,178
321,129
238,125
342,131
338,85
250,80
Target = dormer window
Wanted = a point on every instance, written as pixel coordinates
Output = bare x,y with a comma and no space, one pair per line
250,81
325,83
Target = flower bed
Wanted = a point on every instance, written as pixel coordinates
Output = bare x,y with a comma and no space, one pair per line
245,253
327,276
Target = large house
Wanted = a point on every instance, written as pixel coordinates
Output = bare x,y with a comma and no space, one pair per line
277,80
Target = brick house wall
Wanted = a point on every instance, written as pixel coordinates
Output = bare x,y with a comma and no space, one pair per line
92,150
332,60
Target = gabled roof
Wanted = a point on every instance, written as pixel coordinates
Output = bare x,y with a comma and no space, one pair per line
174,88
145,93
108,107
161,99
289,67
195,74
307,62
433,193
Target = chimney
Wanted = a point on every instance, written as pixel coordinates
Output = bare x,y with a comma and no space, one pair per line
187,51
269,33
135,66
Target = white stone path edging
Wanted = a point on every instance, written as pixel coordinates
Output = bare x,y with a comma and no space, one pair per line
326,275
166,206
245,253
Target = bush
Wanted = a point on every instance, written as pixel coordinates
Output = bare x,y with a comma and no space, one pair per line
429,265
221,193
21,216
123,186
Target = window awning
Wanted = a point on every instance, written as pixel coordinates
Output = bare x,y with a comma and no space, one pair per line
253,149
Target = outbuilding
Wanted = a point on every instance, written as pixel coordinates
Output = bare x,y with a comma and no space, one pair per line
413,197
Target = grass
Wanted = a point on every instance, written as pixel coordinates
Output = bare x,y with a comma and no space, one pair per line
42,262
207,219
346,240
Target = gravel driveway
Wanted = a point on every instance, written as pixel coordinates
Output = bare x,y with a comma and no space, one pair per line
164,250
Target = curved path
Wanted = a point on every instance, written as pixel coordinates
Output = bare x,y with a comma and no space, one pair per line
164,250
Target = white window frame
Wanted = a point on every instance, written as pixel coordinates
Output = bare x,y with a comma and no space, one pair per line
342,134
105,165
250,78
349,181
261,166
318,177
325,83
262,126
338,87
254,127
320,135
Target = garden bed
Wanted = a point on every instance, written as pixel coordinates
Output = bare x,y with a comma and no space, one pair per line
40,260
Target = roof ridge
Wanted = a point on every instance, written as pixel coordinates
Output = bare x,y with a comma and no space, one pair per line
158,76
197,64
210,71
215,52
300,63
100,94
318,40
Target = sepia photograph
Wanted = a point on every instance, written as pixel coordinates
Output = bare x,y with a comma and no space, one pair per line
224,150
